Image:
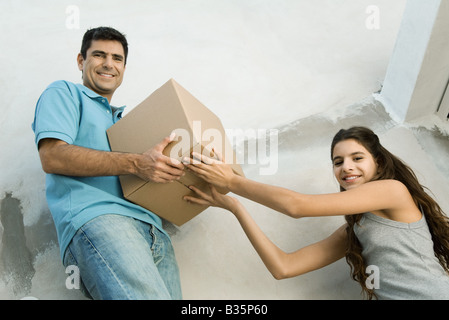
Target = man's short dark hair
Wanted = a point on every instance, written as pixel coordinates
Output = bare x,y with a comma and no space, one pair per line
103,33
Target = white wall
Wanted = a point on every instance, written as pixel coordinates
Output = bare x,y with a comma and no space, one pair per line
256,64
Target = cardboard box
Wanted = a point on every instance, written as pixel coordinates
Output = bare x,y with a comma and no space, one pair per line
170,108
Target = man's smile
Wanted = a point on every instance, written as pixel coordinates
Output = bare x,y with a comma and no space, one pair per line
105,75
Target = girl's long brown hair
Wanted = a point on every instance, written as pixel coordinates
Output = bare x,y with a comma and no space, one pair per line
391,167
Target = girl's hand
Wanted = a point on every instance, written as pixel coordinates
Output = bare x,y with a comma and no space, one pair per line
214,171
215,199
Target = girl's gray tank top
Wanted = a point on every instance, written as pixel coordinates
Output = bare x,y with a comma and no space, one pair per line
402,258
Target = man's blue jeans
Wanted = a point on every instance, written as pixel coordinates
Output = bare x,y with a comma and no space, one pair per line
122,258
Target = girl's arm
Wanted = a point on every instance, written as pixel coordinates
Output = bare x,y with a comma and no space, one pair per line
390,196
279,263
387,195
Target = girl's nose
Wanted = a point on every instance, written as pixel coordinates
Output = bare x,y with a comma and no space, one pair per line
347,166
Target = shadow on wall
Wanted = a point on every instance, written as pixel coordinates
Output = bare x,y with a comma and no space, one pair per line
20,245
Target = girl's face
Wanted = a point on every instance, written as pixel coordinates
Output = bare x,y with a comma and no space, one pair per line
353,164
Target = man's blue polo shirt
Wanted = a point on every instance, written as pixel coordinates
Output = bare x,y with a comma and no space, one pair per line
77,115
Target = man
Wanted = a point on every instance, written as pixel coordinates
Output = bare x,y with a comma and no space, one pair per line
121,249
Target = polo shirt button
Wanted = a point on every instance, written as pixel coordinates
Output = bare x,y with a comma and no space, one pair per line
103,101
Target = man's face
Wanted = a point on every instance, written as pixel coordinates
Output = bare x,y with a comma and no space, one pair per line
103,67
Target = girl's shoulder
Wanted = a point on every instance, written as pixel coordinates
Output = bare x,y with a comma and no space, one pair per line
391,183
394,188
404,208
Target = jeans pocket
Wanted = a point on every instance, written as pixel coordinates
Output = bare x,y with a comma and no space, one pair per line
69,259
156,246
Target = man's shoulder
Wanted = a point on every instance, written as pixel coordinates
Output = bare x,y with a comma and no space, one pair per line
63,88
61,92
62,84
73,89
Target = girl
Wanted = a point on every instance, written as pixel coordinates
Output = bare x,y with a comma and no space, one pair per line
391,222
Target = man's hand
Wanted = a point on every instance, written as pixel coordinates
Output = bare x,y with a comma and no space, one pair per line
156,167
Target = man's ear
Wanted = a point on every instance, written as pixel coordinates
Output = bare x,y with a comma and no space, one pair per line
80,61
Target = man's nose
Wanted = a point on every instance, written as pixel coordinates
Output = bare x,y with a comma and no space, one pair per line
107,62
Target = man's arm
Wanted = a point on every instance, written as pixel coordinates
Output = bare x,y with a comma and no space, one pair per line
59,157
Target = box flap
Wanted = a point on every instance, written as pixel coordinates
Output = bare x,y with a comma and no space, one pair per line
149,122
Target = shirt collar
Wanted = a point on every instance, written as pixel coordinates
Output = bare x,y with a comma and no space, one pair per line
88,92
93,95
